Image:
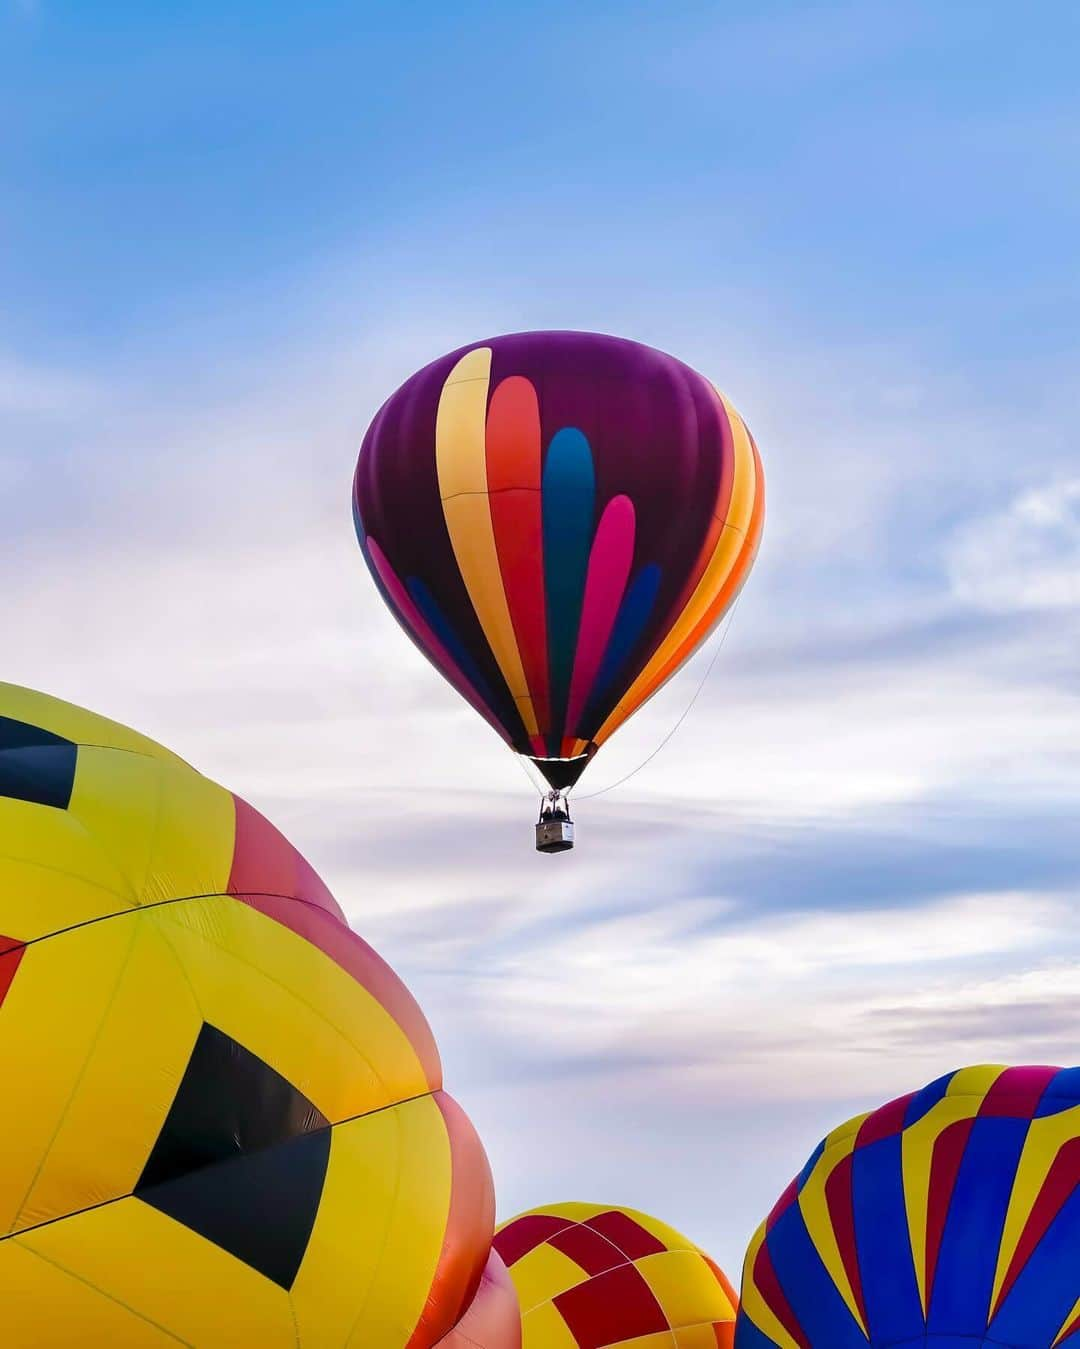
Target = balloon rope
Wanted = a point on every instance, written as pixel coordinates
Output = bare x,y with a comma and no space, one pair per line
529,771
685,713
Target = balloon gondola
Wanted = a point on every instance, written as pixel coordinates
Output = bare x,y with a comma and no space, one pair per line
558,520
554,828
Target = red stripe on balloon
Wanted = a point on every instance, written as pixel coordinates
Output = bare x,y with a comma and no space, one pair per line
841,1205
1017,1092
786,1200
885,1122
587,1248
513,448
428,643
768,1285
1061,1180
264,862
944,1166
524,1234
635,1241
605,583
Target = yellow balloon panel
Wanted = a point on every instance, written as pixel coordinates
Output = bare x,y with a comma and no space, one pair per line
228,1127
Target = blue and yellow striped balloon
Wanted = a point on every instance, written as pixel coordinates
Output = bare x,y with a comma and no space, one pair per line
950,1217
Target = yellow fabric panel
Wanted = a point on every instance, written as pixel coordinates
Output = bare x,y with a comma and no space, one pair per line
740,508
389,1289
754,1305
169,830
975,1081
137,831
841,1140
543,1274
460,426
289,1003
685,1287
1067,1323
673,1240
75,723
573,1212
1045,1139
145,1036
544,1328
461,462
168,1274
815,1214
662,1339
917,1153
744,484
695,1337
52,1002
53,874
46,1307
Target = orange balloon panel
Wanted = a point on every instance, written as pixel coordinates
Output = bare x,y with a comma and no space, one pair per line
223,1118
589,1275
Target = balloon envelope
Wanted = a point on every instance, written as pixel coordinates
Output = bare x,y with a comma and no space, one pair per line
948,1219
589,1275
558,520
223,1120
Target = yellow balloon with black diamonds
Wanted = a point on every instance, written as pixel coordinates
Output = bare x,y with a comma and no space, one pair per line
222,1118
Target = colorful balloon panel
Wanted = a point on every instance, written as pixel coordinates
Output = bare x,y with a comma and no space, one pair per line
588,1275
558,520
223,1117
949,1217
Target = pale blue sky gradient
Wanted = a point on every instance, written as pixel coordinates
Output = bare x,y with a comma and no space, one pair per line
229,231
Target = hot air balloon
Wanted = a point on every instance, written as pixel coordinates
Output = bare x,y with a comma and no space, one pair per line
558,520
590,1275
948,1219
223,1120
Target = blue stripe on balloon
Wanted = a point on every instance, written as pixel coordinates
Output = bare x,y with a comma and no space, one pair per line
629,624
813,1297
440,626
1062,1093
1045,1291
882,1243
747,1335
812,1161
569,500
943,1342
964,1275
924,1101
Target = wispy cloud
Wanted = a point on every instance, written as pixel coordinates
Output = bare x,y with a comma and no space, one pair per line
1026,556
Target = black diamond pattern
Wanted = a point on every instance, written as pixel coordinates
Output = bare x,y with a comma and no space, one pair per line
241,1158
35,764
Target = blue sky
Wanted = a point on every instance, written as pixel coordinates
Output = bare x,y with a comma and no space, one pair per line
230,231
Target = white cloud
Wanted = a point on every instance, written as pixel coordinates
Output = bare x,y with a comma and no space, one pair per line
1026,556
